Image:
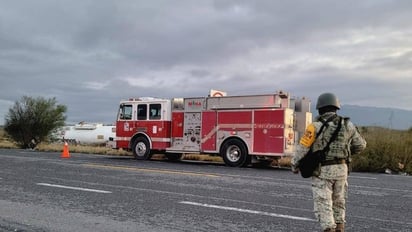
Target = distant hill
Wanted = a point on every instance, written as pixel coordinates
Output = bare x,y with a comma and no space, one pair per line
375,116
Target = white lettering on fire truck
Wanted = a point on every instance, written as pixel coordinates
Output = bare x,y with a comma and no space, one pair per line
269,126
126,126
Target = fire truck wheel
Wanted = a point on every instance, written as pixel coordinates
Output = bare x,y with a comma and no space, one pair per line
174,156
234,153
141,149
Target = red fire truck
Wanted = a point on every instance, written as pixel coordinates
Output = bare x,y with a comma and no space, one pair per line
238,128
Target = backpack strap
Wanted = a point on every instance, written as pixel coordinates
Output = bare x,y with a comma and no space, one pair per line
324,123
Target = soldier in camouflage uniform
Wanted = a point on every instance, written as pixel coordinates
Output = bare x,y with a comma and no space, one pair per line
329,181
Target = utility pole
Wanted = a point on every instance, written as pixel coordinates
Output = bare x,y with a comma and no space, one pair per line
390,120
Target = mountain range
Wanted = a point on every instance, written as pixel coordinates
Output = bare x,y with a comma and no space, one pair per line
391,118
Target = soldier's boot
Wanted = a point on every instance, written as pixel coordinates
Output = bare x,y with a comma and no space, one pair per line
340,227
329,230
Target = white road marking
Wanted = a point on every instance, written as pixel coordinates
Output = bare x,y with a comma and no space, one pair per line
73,188
247,211
150,170
381,189
362,177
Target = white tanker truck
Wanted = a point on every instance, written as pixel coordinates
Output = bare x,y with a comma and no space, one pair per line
86,133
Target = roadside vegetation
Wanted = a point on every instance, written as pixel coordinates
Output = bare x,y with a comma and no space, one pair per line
30,121
387,151
5,141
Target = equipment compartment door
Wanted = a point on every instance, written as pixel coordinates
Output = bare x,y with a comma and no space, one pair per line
269,131
191,131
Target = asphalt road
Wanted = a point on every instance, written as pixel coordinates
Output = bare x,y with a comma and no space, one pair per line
43,192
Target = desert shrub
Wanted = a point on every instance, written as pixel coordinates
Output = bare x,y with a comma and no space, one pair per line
31,120
386,149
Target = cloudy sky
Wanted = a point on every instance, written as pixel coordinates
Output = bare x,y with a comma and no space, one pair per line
90,54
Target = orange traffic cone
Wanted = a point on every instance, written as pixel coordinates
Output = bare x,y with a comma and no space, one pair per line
65,153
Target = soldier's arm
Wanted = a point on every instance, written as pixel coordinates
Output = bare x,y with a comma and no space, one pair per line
358,143
304,145
300,153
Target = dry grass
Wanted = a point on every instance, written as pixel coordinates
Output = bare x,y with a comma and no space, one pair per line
7,144
87,149
101,150
201,157
4,141
386,150
284,162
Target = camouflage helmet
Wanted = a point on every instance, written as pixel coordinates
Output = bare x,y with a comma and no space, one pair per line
327,99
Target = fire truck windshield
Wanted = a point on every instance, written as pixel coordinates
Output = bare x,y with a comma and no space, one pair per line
125,112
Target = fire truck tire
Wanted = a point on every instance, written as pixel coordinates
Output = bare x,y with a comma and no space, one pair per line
141,149
174,156
234,153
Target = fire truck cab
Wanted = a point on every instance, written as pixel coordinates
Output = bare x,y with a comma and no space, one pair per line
238,128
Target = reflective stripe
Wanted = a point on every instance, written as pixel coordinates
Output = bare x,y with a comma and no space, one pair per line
160,139
123,138
153,139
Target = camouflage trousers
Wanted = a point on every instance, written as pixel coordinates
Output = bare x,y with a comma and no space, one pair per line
329,197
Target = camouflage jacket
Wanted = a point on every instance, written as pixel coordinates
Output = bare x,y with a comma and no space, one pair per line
348,142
